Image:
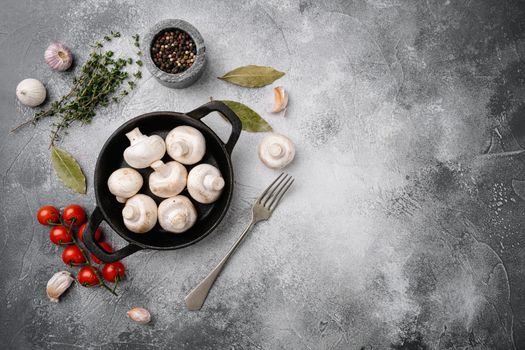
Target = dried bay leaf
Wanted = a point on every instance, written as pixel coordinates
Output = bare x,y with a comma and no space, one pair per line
252,76
68,170
251,121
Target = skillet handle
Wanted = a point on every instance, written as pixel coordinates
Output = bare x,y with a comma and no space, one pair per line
89,240
217,106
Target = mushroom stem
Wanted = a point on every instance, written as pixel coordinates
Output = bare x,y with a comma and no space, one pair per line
179,220
121,199
275,150
214,183
129,212
133,134
160,167
180,148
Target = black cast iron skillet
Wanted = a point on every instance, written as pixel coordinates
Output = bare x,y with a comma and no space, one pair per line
111,158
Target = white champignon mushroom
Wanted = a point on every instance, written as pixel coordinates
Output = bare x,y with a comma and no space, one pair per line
186,144
124,183
177,214
205,183
140,213
276,151
144,149
168,179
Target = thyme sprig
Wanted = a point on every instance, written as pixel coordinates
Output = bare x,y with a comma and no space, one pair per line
102,80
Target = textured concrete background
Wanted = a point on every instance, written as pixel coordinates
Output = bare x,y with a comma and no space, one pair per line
404,229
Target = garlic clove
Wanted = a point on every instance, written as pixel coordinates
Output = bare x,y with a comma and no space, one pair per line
31,92
280,99
58,284
276,151
139,315
58,57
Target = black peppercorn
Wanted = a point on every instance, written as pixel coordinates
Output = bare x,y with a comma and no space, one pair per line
173,51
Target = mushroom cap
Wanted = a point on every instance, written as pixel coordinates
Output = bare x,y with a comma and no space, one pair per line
276,151
168,179
205,183
144,149
186,144
140,213
125,183
177,214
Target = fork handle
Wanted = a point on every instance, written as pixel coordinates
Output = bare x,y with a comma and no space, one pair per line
195,299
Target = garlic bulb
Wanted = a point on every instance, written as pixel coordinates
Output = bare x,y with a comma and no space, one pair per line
58,57
140,213
58,284
205,183
31,92
144,149
168,179
177,214
139,315
280,100
276,151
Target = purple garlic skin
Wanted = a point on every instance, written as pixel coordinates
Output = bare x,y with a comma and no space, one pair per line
58,57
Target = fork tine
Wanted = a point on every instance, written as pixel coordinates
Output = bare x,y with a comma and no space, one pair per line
275,201
271,198
275,189
270,187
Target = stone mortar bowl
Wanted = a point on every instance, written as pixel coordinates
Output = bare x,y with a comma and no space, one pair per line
189,76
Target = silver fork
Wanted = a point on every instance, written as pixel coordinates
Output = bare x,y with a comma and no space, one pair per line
262,210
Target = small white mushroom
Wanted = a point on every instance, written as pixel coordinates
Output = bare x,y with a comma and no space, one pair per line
140,213
125,183
177,214
186,145
168,179
144,149
205,183
276,151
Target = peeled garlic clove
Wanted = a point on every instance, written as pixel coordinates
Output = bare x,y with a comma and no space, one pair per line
58,57
58,284
139,315
281,99
31,92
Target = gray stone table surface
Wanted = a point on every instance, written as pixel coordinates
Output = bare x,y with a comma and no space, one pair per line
405,227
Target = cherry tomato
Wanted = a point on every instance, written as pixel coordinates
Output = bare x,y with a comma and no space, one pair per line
87,277
112,271
98,233
72,256
59,235
74,213
104,246
48,214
